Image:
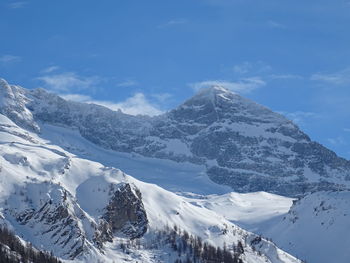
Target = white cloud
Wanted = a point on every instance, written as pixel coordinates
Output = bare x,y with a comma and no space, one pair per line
245,85
6,59
16,5
173,22
135,105
68,81
338,78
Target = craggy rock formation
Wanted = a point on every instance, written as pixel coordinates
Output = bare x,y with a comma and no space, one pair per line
125,212
56,221
51,215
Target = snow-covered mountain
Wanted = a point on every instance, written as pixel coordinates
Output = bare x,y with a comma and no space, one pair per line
241,144
84,211
65,183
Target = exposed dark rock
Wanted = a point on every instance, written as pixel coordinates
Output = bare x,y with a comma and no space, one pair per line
125,212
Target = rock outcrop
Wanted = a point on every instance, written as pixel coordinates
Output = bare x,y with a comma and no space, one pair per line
125,212
56,221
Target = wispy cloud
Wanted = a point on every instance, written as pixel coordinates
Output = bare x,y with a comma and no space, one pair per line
242,68
275,24
285,76
162,97
255,68
50,69
68,81
245,85
137,104
299,117
16,5
338,78
174,22
346,129
128,83
337,141
8,59
76,97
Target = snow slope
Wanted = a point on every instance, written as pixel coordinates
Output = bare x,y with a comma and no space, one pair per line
316,228
250,210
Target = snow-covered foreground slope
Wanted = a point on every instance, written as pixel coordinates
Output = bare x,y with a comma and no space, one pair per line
316,228
250,211
82,210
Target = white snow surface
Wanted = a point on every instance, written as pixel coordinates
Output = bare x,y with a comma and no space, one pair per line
316,229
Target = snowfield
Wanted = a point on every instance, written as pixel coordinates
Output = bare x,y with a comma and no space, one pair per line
316,228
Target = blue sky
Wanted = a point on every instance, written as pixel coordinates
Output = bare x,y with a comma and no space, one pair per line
148,56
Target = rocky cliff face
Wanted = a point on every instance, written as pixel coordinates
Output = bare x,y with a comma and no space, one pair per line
13,103
49,213
125,212
243,144
251,148
56,222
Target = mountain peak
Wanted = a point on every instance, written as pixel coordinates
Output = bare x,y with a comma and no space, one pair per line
214,89
212,92
226,104
13,104
3,83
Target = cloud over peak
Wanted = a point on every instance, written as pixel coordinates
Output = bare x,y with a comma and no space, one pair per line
137,104
64,82
245,85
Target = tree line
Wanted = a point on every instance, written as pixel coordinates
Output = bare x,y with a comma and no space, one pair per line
12,250
188,248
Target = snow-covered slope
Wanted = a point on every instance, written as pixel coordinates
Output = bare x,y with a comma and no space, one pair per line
239,143
250,210
82,210
316,228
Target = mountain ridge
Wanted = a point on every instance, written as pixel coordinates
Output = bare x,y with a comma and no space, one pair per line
243,145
